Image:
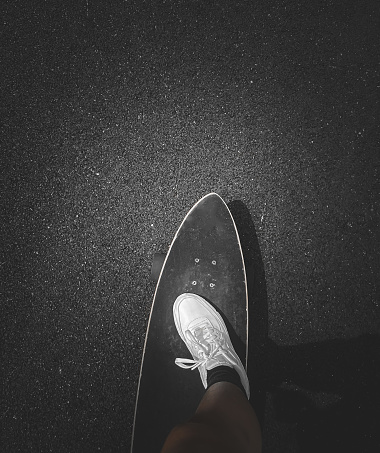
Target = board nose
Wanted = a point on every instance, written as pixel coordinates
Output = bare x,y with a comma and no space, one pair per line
210,213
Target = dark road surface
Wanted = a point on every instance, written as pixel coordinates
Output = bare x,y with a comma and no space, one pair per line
117,117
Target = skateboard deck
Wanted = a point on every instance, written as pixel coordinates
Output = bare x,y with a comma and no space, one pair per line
204,258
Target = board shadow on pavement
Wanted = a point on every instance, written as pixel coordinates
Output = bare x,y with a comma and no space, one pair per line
257,305
327,391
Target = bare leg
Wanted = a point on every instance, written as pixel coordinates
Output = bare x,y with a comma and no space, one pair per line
224,422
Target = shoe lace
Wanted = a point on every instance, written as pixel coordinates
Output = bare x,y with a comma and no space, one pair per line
207,343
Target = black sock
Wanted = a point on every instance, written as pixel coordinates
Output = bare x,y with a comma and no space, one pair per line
224,374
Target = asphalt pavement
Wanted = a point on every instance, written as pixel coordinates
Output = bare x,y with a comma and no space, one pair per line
117,117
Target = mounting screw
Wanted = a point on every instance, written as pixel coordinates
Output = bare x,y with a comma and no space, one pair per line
214,262
212,285
197,260
194,283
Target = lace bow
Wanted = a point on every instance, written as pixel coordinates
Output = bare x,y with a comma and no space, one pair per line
207,343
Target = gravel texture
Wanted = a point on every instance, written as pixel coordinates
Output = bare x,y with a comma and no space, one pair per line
116,118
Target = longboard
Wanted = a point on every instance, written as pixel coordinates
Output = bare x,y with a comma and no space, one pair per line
204,258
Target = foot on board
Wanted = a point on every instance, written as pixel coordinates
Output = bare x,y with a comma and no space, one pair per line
205,334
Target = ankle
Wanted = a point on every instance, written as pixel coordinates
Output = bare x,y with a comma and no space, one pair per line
224,374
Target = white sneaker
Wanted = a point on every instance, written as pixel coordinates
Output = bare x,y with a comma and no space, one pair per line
203,330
